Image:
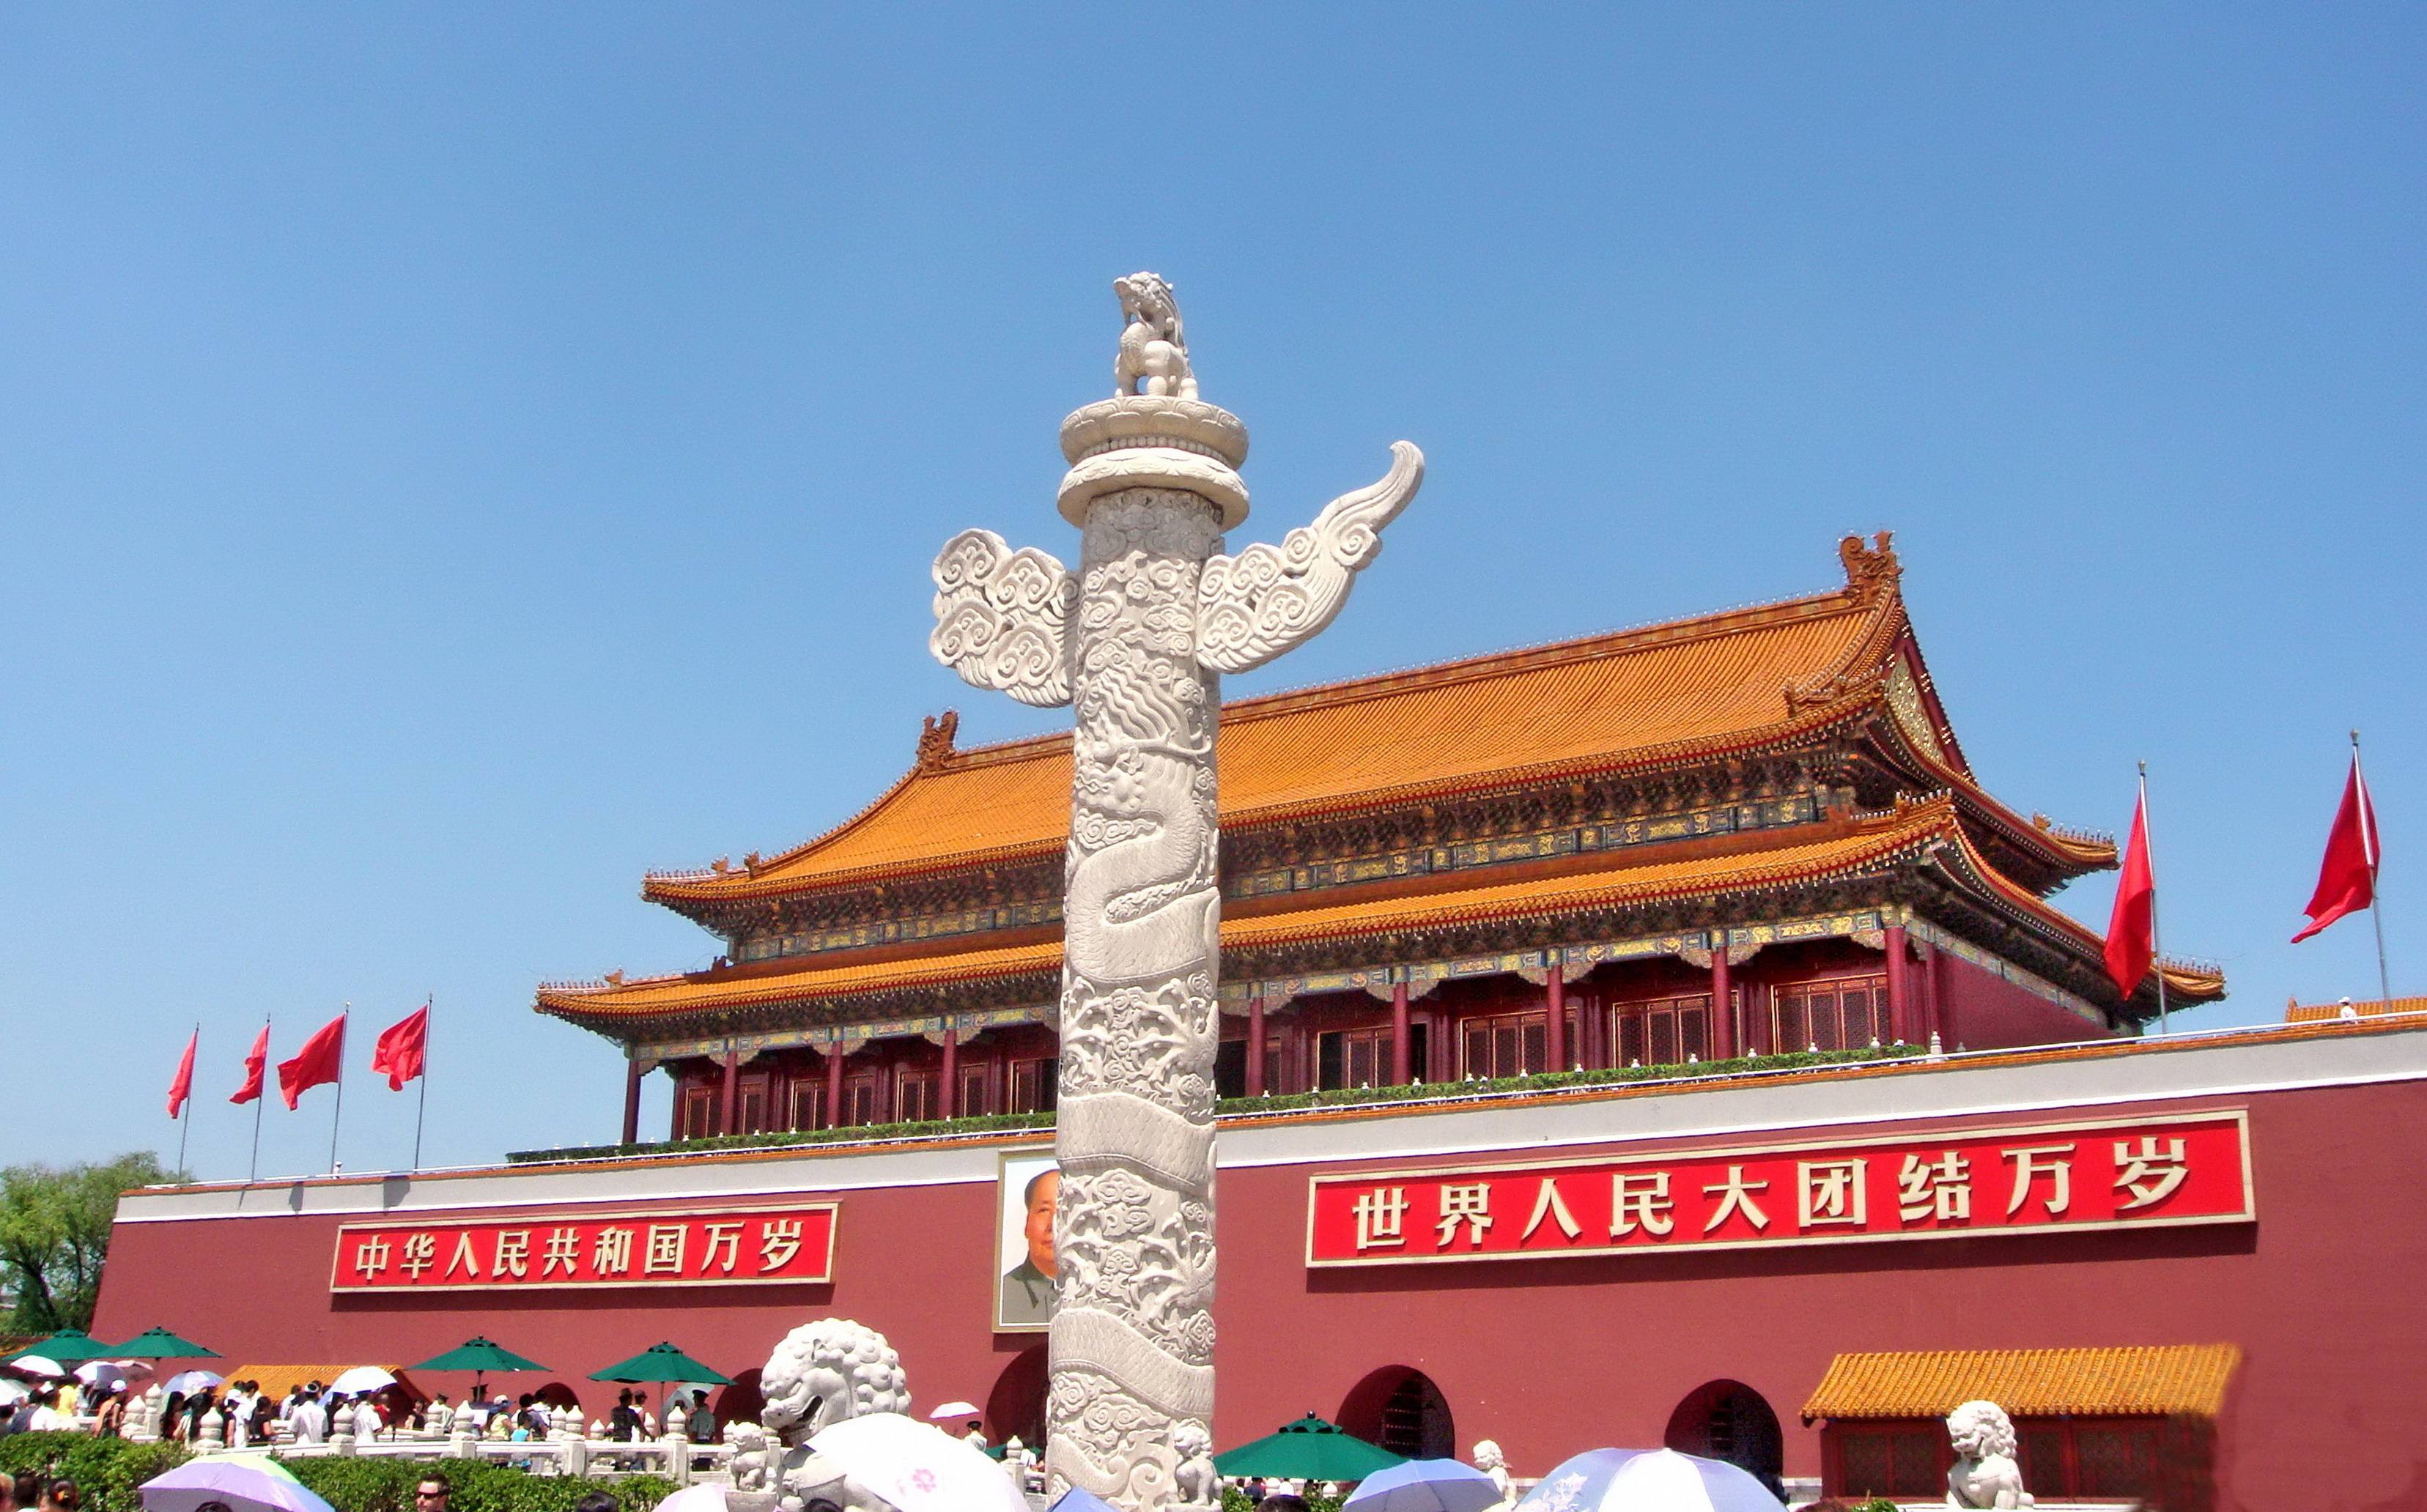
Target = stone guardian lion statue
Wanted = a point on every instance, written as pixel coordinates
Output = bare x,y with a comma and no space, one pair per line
1154,351
1985,1474
822,1374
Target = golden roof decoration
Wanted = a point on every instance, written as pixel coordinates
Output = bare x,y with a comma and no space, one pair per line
2297,1012
2129,1381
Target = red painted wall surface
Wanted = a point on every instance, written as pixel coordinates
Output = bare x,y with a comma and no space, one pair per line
1985,1011
1552,1355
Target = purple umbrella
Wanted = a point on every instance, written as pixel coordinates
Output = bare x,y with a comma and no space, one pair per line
241,1483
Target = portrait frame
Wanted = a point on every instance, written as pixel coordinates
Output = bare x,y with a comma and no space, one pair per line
1013,1286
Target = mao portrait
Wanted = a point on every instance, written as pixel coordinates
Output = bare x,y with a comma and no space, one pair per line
1029,1187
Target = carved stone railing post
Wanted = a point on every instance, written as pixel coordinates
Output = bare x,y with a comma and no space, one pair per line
1137,640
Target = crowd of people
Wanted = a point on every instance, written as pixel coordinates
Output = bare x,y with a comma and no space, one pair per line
36,1493
311,1412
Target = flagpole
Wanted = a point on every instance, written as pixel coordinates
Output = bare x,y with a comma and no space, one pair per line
259,1096
2157,945
2375,892
423,1106
339,1112
186,1111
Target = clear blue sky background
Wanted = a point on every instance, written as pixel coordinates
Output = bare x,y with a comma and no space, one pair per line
454,460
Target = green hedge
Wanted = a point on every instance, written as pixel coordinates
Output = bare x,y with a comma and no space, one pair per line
107,1471
1041,1123
386,1486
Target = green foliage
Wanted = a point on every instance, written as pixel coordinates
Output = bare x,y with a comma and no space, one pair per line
476,1485
1236,1499
105,1471
1041,1123
55,1232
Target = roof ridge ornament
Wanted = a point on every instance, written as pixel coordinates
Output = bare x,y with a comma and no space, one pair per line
1871,571
935,733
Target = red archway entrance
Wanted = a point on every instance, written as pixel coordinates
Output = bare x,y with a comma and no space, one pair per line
1729,1420
1399,1407
1015,1408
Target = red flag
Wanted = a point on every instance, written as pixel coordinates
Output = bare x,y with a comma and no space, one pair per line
182,1085
321,1059
254,1059
2347,878
2131,930
403,1047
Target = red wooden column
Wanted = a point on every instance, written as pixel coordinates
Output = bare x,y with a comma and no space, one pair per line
1256,1046
1723,1015
1555,1030
948,1096
1401,1073
732,1091
834,1087
632,1074
1899,986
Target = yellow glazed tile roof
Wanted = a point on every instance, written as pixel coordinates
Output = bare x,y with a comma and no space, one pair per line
2310,1013
1633,697
1861,844
2167,1379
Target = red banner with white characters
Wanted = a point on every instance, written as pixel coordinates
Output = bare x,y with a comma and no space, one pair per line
2127,1174
737,1247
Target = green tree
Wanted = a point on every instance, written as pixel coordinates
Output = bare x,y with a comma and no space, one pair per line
55,1234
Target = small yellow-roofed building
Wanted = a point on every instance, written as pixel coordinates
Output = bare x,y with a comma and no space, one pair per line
2088,1422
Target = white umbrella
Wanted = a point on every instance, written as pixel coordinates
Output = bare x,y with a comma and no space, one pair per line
42,1367
954,1412
190,1381
918,1467
1656,1480
103,1373
12,1391
362,1378
708,1496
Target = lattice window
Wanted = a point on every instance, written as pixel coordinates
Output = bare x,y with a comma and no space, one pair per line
755,1093
1354,1058
1662,1032
916,1094
859,1099
809,1104
2114,1459
699,1114
1494,1045
1882,1460
1845,1013
1034,1085
971,1103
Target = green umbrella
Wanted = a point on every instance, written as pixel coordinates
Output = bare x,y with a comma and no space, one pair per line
71,1346
662,1364
478,1356
1307,1450
159,1343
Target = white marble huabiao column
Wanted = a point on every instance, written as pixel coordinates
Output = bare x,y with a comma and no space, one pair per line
1137,641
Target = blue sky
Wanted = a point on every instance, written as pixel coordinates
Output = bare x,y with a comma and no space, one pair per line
453,461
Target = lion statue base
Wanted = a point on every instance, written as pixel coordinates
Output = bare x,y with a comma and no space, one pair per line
1985,1476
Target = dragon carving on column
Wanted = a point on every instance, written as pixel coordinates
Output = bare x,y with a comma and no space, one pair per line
1137,640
